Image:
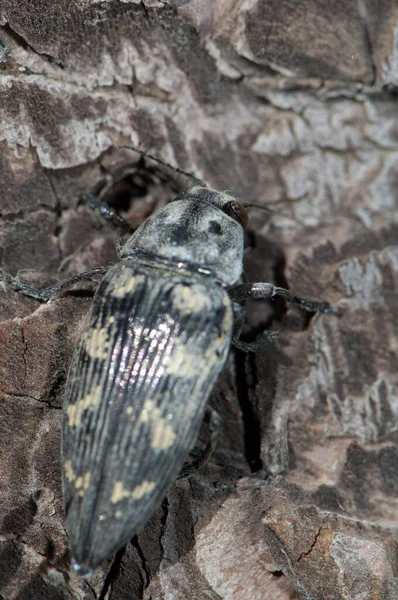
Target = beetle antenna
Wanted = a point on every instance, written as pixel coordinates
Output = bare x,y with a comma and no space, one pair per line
273,212
259,206
164,164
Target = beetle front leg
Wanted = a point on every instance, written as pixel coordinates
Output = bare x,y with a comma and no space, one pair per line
264,291
215,426
110,214
106,211
45,294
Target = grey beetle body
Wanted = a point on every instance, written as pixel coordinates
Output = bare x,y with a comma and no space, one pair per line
156,339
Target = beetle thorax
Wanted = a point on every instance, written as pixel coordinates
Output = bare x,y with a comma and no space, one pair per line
194,232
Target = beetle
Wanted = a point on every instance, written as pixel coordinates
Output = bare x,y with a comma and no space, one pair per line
156,339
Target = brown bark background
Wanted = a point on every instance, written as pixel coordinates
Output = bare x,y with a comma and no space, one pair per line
291,104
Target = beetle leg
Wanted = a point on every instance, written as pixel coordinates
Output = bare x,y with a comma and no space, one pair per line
215,426
45,294
266,337
106,211
110,214
239,319
263,291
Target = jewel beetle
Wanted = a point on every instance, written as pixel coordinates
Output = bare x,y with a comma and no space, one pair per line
155,341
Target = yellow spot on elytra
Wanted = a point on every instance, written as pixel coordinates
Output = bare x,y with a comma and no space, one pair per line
129,410
163,435
120,493
111,319
124,283
75,411
144,488
188,299
81,481
183,362
69,472
148,408
96,343
226,325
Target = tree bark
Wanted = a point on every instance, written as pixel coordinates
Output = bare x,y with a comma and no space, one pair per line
291,105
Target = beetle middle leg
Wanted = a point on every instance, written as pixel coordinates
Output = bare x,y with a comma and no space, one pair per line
215,426
264,291
239,319
45,294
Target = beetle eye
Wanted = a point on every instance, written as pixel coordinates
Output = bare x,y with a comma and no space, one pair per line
237,211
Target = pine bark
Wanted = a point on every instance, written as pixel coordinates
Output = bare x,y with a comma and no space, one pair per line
290,105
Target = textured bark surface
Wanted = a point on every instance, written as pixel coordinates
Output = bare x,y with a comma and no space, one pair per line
290,104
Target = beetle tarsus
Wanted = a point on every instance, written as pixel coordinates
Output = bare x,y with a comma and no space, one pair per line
264,339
